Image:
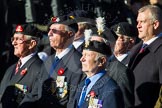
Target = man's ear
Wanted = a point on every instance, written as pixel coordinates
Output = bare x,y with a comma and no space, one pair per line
32,44
156,24
132,40
71,34
102,61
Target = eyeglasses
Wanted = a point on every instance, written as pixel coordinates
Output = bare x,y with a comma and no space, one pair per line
18,40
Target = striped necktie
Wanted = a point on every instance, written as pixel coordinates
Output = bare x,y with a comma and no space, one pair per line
18,66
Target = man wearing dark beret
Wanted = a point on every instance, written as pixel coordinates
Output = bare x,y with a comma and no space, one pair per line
20,77
61,72
98,90
126,39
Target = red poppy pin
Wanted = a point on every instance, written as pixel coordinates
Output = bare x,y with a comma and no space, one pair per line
92,94
61,71
55,19
23,72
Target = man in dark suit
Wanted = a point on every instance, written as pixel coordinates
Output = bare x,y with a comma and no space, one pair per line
146,59
124,78
16,83
126,39
102,91
58,80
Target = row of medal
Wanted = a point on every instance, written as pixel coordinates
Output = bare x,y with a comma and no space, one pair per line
62,86
93,101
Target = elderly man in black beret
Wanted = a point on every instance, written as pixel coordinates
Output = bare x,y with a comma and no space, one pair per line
126,39
98,90
61,72
20,77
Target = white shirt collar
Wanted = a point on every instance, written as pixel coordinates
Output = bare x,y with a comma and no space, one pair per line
64,52
25,59
77,43
120,58
151,40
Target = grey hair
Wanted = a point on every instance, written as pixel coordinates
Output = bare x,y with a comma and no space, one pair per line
67,28
99,55
29,37
154,10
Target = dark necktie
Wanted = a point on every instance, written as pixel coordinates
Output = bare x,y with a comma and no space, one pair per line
18,66
143,48
83,94
55,62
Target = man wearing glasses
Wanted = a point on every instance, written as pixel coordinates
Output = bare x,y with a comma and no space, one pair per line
61,72
20,77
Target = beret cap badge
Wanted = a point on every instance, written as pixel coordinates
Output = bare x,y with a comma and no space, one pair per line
19,28
55,19
72,17
118,30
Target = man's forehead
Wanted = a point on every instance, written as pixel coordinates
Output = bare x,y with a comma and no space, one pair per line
18,35
89,51
58,26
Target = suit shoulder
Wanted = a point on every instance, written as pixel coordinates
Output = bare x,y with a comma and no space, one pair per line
109,83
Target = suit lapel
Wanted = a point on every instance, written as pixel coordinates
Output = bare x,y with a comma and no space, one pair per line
12,73
48,64
78,93
27,65
134,54
63,64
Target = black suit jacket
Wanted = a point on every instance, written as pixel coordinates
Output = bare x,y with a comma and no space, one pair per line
124,78
125,61
106,90
43,98
8,92
147,70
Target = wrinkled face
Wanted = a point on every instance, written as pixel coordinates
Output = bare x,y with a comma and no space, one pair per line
89,62
58,36
145,25
21,45
122,44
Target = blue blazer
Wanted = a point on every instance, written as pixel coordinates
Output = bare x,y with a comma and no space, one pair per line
106,90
